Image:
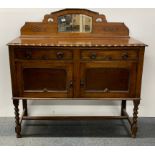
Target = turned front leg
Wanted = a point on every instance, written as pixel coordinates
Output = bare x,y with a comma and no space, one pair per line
25,107
134,126
18,125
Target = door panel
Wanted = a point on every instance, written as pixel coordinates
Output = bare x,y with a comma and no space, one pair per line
45,79
95,78
108,79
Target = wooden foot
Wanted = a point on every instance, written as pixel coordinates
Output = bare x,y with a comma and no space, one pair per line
18,125
123,107
25,107
134,126
18,130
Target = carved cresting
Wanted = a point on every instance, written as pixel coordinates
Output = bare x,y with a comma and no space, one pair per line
54,15
49,25
110,29
36,28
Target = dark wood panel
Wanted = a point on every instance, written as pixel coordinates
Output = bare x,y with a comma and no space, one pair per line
107,79
44,79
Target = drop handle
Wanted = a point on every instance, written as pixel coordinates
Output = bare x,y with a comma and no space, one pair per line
60,55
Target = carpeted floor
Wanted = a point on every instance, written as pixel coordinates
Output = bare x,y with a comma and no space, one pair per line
73,133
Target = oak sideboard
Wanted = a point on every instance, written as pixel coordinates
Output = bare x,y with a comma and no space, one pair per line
76,54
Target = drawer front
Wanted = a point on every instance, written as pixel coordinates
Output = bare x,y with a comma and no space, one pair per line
109,55
43,54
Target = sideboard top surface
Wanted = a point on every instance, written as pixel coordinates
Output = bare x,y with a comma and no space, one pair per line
77,42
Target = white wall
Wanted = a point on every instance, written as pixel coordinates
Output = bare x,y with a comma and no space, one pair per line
142,26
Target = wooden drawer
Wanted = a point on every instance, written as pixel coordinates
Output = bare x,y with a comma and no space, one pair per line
108,55
43,54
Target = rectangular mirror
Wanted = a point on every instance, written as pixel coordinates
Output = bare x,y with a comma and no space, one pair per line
75,23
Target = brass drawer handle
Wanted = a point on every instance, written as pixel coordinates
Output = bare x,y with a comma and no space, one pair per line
125,56
28,55
93,56
106,90
60,55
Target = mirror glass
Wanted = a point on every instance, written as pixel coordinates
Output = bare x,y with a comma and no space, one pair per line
75,23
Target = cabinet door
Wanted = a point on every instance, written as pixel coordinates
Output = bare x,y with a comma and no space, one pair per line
42,79
108,79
